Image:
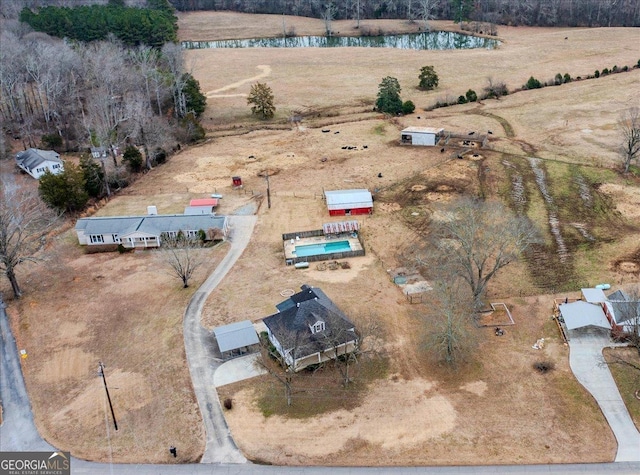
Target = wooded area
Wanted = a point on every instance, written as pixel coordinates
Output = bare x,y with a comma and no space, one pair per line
507,12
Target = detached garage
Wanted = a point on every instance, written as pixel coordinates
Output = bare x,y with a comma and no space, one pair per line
428,136
349,202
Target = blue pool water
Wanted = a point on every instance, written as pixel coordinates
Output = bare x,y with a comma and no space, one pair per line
325,248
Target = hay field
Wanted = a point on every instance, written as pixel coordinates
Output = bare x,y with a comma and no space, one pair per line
127,313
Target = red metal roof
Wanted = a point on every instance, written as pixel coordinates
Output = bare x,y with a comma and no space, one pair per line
204,202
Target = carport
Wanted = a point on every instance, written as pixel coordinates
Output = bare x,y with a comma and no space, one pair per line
236,339
583,316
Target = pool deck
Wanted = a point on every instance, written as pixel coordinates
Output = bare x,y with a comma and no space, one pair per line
290,245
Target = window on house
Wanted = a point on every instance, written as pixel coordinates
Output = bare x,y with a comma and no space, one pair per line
115,238
56,166
317,327
96,238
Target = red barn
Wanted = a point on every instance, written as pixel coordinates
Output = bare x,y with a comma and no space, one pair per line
349,202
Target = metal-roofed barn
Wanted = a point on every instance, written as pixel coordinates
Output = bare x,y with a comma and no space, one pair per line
428,136
349,202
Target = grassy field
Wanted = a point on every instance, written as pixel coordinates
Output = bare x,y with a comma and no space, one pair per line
126,311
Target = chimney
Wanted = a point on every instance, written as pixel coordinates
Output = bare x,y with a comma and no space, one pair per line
152,210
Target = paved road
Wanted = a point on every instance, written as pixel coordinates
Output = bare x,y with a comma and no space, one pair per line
587,364
198,342
18,431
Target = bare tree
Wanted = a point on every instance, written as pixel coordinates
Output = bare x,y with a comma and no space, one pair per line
328,14
24,223
182,256
449,336
473,240
425,10
629,126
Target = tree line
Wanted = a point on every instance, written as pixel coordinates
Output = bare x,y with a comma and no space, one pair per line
153,26
506,12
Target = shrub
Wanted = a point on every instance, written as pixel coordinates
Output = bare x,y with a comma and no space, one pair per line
228,403
408,107
202,235
52,141
605,72
471,95
625,68
566,78
638,64
614,69
544,366
558,79
159,156
133,159
597,74
533,83
191,129
462,100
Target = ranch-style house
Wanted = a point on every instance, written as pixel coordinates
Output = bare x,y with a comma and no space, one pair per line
135,232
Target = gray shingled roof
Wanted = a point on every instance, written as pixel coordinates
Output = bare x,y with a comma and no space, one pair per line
33,157
154,224
300,311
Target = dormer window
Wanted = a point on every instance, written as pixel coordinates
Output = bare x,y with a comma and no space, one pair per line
317,327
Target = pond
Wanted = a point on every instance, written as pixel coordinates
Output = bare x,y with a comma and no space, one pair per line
433,40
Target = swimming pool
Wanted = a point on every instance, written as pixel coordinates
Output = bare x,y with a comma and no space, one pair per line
323,248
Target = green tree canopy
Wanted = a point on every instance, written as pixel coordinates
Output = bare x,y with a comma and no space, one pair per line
133,158
196,101
93,176
428,78
133,26
261,101
64,191
389,100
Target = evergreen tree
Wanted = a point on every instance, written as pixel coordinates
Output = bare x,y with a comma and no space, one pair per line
93,176
428,78
133,158
64,191
261,101
389,100
196,101
462,10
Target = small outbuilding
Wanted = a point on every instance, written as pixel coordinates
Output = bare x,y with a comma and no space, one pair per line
428,136
349,202
236,338
37,162
583,315
201,206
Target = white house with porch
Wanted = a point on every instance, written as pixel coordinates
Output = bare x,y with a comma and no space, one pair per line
37,162
134,232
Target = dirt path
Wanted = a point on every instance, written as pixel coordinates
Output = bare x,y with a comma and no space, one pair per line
266,71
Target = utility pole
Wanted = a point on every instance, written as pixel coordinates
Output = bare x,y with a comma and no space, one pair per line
268,191
104,380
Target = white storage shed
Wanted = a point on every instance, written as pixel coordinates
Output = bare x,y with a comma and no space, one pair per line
428,136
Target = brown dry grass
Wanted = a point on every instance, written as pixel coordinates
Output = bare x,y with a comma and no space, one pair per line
120,309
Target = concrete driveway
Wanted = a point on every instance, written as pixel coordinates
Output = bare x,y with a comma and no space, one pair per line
587,364
198,342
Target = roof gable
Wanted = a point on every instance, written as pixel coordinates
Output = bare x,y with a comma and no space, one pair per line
292,324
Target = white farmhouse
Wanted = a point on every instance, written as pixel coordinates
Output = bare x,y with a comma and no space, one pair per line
428,136
37,162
